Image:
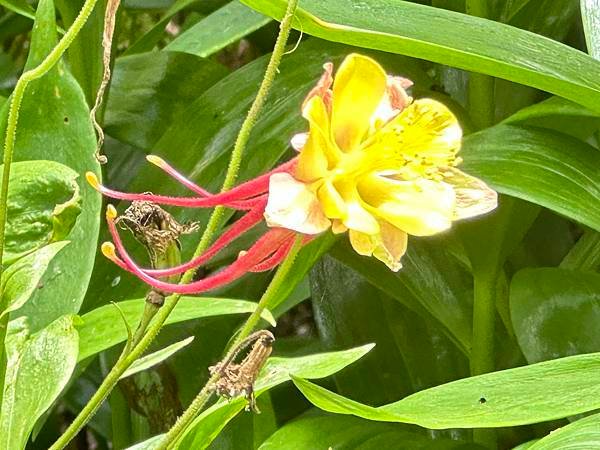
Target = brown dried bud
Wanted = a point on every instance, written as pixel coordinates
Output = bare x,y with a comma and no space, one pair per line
238,379
154,227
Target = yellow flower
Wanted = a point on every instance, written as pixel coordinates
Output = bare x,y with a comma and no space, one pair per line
375,163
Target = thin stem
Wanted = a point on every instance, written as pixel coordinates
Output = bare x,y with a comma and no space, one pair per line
214,223
202,398
9,147
481,87
482,347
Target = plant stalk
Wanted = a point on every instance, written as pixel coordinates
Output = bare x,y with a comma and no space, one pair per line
482,347
481,87
214,223
9,147
183,422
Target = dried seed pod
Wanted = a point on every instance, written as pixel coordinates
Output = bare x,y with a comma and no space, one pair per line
238,379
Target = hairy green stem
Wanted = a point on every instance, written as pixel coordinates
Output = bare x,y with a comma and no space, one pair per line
9,147
481,87
211,229
183,422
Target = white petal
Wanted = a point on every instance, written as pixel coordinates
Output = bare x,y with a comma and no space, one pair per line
299,141
294,206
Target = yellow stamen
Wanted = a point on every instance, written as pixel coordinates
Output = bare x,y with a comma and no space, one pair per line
92,179
111,212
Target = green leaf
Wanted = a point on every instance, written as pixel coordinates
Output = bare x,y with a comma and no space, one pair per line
531,394
155,358
558,114
103,327
502,230
221,28
276,371
20,7
21,279
533,165
43,205
439,36
38,369
345,433
534,15
54,124
151,91
590,13
555,312
349,311
147,42
85,52
432,283
303,263
582,434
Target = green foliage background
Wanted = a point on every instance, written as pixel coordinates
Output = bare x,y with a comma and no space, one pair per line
185,73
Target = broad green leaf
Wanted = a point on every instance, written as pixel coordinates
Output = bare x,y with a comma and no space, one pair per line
221,28
350,433
531,394
348,311
21,279
584,434
558,114
590,13
54,124
554,312
409,356
276,371
43,206
155,358
439,36
540,166
103,327
151,91
38,369
432,283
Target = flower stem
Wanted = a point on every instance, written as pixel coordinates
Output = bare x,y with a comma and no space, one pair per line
9,147
482,347
481,87
204,395
214,223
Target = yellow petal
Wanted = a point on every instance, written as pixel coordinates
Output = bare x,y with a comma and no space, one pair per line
473,196
332,202
312,162
420,207
425,132
292,205
388,246
357,218
364,244
358,87
338,227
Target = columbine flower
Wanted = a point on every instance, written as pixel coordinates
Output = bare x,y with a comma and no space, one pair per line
374,163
